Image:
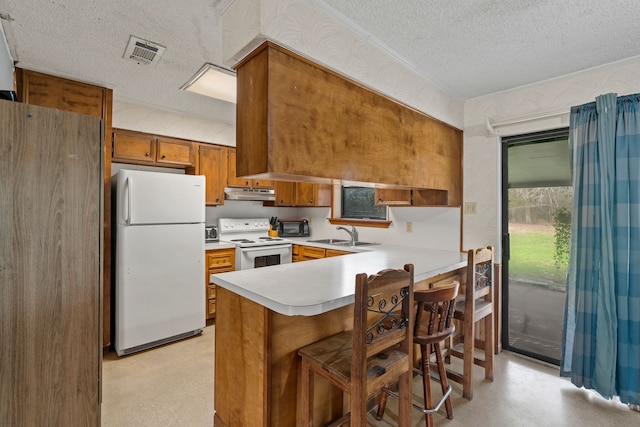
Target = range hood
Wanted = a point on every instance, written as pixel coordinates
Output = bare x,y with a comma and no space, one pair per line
249,194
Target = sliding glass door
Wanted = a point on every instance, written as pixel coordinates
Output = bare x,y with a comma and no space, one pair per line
537,200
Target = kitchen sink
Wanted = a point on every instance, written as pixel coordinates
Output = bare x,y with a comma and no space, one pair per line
330,241
341,242
348,243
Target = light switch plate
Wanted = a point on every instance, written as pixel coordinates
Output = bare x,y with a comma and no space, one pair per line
470,208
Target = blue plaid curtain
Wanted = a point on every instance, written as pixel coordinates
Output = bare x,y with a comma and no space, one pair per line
601,331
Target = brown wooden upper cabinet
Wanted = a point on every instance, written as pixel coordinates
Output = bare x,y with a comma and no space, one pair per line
309,194
393,197
142,148
382,141
290,193
414,197
234,181
284,193
212,163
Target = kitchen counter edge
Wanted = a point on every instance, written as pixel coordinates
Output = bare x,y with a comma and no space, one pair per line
329,283
218,245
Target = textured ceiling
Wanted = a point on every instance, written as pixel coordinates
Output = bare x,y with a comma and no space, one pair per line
85,40
469,48
472,48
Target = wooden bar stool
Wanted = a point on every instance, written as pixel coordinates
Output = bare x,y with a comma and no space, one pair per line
434,324
476,305
377,352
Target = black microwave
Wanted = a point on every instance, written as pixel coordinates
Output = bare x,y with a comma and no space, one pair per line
293,228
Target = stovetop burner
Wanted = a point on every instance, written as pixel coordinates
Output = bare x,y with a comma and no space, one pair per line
251,232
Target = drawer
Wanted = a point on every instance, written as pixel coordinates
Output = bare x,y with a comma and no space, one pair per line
219,257
211,307
211,292
311,252
335,252
220,268
215,261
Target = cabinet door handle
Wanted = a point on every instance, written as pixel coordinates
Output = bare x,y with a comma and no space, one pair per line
147,154
163,156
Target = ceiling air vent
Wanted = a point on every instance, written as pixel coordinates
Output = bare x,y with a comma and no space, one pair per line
143,51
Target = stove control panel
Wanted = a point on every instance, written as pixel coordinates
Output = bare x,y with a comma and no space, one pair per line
242,225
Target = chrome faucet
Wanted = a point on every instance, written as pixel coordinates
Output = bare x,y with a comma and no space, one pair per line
353,233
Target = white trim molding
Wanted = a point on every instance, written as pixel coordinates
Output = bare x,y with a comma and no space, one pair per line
530,123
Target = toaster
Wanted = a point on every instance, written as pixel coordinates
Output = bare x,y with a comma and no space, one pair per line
293,228
211,234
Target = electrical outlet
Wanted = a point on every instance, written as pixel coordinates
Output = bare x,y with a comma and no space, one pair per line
409,227
310,220
470,208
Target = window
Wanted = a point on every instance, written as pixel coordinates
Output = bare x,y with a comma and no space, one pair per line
359,203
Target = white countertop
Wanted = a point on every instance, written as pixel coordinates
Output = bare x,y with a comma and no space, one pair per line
314,287
218,245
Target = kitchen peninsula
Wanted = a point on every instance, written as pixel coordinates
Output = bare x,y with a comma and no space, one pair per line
265,315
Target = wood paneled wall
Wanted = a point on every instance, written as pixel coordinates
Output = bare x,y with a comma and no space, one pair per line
50,271
68,95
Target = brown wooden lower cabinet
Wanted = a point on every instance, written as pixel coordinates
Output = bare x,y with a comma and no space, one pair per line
257,363
309,253
216,261
334,252
295,253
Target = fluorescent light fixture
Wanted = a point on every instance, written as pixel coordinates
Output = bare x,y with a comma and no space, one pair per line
214,81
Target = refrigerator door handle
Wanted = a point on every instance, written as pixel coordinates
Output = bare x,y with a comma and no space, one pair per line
128,186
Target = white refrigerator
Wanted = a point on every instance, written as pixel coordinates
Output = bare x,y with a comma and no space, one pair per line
160,292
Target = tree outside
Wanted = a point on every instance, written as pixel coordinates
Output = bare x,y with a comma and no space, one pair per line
539,228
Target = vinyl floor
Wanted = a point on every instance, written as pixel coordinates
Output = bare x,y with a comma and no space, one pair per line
172,386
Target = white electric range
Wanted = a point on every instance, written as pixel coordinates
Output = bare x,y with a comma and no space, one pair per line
254,247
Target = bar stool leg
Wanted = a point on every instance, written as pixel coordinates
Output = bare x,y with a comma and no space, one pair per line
307,394
444,383
426,383
382,404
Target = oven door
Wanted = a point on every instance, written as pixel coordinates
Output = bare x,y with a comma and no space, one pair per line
262,256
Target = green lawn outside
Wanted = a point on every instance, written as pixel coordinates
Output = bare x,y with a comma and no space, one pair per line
532,260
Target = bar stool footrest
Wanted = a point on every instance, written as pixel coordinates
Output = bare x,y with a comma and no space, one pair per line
418,407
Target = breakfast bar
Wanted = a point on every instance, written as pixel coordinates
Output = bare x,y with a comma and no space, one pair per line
265,315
